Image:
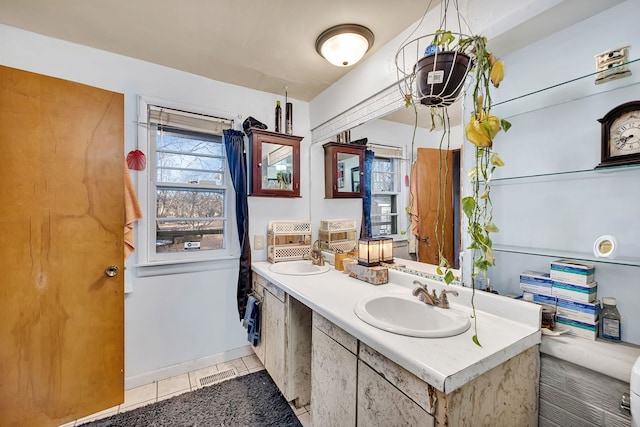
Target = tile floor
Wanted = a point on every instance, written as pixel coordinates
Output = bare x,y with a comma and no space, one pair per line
170,387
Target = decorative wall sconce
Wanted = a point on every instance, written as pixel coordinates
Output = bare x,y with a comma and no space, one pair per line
344,44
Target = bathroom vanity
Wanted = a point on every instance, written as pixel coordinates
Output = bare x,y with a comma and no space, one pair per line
362,375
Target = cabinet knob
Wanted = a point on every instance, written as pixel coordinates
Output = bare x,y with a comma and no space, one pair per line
259,164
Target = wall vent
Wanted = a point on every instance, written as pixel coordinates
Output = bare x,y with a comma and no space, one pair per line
218,377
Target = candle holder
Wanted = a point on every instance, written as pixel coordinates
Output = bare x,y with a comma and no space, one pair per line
369,252
386,250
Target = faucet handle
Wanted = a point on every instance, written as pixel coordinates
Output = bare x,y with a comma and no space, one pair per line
422,285
444,301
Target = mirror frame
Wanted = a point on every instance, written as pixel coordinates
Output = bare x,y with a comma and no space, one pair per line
331,173
258,137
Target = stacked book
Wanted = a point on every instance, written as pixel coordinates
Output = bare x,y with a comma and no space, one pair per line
570,287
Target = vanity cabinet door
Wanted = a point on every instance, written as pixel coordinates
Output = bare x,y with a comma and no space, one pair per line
285,348
273,329
381,404
334,379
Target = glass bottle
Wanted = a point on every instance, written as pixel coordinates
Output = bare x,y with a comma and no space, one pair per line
610,320
289,118
278,125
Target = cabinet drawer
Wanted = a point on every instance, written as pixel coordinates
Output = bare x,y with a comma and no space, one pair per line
404,380
335,332
276,291
260,284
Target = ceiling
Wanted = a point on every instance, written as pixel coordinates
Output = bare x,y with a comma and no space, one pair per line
264,45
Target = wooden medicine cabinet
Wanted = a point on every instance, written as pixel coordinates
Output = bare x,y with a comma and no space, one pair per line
275,163
343,170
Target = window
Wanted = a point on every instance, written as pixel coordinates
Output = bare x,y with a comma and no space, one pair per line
188,191
385,190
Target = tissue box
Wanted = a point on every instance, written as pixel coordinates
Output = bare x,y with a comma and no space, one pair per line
536,282
572,271
587,330
540,298
580,311
373,275
575,292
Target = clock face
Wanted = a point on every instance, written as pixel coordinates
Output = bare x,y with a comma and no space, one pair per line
624,137
620,136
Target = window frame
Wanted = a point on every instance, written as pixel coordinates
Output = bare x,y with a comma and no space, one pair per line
147,193
396,155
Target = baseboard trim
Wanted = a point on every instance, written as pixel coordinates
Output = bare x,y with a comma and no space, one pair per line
185,367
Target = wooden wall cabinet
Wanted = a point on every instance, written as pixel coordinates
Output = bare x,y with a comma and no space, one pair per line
275,163
343,170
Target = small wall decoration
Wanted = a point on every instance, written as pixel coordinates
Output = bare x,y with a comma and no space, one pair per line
620,136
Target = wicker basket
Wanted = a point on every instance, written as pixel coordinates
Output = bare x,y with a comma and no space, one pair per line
338,225
338,235
288,240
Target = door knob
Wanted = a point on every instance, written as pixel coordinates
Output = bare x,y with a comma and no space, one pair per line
112,271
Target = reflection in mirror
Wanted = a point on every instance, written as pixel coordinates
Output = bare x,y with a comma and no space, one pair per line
277,166
348,173
343,165
390,138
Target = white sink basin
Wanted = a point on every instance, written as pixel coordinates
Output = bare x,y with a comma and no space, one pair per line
298,268
406,315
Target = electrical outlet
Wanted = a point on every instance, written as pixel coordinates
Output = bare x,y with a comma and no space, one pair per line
258,241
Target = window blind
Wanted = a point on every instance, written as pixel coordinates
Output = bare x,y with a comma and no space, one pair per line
163,116
386,151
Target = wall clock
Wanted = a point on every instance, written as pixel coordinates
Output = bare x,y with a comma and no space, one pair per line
621,135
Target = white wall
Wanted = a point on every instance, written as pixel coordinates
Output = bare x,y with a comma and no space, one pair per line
557,131
175,319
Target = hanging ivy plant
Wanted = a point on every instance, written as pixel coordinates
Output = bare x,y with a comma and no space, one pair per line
480,130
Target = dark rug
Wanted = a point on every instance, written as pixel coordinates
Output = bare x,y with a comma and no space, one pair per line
249,400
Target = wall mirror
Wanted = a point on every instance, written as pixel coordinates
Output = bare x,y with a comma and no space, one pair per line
275,164
395,129
343,166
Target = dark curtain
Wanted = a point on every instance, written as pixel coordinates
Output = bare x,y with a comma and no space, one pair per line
234,144
365,228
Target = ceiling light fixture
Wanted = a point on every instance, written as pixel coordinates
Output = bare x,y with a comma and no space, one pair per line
344,44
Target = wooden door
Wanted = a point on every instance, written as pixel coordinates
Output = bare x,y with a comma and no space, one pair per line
439,211
61,225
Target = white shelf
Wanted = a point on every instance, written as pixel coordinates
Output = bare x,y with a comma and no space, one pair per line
566,175
633,262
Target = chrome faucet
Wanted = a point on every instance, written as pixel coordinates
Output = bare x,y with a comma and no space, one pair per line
316,256
422,292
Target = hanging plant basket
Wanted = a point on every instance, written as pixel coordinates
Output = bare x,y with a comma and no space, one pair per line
440,77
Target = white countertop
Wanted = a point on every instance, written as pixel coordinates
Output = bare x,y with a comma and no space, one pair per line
506,327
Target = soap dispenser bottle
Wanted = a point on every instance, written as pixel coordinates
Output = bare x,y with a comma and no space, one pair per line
610,320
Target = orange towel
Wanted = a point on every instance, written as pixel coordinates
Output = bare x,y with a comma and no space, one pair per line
132,212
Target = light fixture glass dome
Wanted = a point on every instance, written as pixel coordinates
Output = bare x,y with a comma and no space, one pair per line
344,45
